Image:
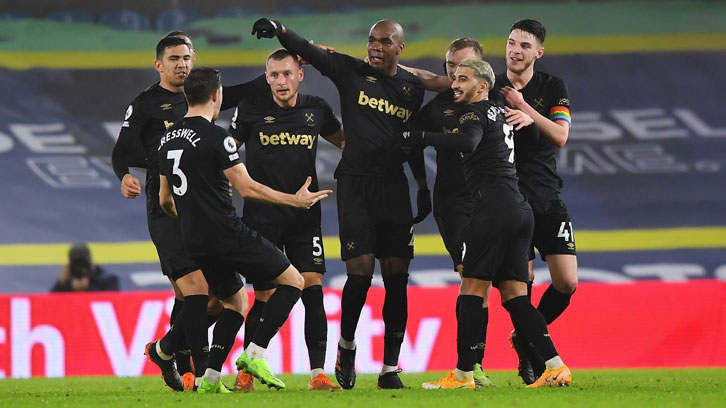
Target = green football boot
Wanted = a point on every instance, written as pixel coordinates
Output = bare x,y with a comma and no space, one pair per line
259,369
206,387
481,379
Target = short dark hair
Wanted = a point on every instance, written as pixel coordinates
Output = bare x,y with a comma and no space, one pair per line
168,42
200,84
178,34
466,42
533,27
281,54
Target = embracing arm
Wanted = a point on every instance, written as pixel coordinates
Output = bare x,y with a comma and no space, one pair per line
337,139
556,131
431,81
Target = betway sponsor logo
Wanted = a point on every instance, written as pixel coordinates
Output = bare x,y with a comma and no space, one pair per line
382,105
285,138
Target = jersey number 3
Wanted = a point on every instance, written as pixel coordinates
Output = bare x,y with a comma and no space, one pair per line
176,156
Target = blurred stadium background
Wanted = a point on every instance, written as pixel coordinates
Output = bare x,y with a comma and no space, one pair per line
644,172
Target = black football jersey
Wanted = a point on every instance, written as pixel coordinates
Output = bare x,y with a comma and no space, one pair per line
536,155
491,164
151,113
193,155
376,108
280,146
441,114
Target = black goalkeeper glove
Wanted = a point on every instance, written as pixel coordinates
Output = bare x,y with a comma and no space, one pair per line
267,28
423,205
412,138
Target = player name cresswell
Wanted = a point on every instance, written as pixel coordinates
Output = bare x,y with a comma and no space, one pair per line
285,138
382,105
183,133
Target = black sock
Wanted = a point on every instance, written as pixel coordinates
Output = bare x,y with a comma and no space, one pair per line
194,316
175,310
395,315
275,314
467,330
352,301
553,303
253,320
529,290
316,325
173,339
529,323
212,318
482,338
224,334
182,355
176,340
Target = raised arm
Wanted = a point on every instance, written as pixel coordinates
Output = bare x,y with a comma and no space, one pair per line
318,57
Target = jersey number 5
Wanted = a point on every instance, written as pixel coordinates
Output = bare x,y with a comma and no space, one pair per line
176,156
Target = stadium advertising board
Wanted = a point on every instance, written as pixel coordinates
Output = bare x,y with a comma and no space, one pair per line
625,325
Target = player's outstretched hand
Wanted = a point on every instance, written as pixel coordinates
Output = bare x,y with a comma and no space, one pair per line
412,138
130,186
267,28
306,198
512,97
517,118
423,205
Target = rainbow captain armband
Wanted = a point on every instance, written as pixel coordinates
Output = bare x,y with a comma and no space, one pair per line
560,113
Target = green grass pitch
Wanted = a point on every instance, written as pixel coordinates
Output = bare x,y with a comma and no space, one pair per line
590,388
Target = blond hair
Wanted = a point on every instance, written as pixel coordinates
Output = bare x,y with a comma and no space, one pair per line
482,70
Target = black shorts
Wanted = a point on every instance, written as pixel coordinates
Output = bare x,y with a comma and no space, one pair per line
252,256
451,217
302,244
496,243
374,217
167,238
553,232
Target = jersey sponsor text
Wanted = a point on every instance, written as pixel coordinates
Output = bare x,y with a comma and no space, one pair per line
285,138
382,105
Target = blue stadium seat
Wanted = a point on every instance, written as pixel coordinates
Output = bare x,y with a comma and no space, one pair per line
238,12
126,20
69,16
175,19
